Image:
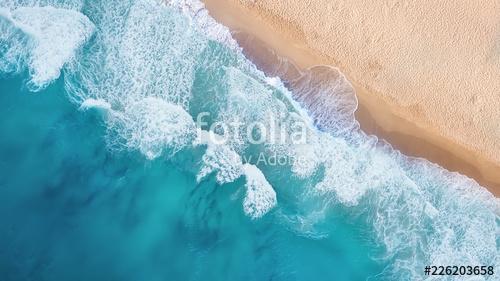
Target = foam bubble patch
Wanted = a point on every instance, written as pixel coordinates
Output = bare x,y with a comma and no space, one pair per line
153,126
56,35
219,159
260,196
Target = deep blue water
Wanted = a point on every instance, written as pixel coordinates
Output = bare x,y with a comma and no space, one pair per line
101,177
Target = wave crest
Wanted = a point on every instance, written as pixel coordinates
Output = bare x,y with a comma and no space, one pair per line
55,34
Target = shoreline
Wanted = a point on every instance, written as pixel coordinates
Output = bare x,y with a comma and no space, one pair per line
374,114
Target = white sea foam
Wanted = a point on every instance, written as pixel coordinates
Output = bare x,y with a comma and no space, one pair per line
75,5
143,66
14,45
154,126
97,104
56,34
329,98
219,159
196,12
306,160
260,196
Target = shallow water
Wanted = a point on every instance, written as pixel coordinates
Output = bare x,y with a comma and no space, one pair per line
103,176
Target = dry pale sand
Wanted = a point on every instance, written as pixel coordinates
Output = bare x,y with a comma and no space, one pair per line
426,73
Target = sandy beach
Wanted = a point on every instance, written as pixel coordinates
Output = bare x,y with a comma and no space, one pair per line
426,73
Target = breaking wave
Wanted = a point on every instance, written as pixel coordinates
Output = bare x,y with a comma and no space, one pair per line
44,38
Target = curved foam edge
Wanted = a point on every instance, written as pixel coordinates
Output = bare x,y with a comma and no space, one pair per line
195,10
14,44
64,4
154,127
218,158
260,196
57,33
99,104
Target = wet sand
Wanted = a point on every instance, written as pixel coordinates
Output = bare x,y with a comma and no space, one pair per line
387,120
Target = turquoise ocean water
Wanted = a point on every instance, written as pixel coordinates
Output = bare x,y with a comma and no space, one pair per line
104,174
